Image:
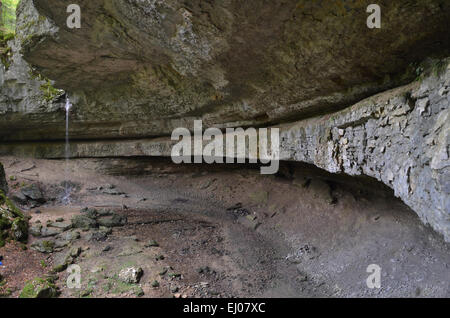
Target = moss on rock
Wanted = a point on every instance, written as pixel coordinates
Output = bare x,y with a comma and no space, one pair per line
39,288
13,223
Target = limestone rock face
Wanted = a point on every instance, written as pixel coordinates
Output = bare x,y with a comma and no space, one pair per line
142,68
136,70
401,138
27,99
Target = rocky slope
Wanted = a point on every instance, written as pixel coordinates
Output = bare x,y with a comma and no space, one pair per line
138,69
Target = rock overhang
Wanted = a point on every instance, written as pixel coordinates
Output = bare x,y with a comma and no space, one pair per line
230,63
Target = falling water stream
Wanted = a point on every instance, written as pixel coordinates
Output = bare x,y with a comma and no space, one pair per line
67,188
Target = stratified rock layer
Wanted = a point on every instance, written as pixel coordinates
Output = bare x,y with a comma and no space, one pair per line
138,69
400,137
142,68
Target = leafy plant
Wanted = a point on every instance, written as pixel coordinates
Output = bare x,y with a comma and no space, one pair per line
8,16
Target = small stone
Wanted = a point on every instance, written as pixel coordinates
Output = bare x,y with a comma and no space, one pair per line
64,226
48,232
43,246
97,269
59,268
69,236
163,272
131,275
35,230
302,277
74,252
155,284
61,243
106,230
113,221
174,275
139,292
33,192
20,198
107,248
87,292
96,235
81,221
151,243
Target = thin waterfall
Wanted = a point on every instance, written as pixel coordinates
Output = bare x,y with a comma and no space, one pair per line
67,188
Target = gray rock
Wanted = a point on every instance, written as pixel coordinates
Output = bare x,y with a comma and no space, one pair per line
34,193
69,236
64,226
59,244
75,252
43,246
90,213
19,198
35,230
151,243
82,221
131,275
113,221
97,235
48,231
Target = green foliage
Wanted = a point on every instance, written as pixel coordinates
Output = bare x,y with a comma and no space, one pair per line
8,16
50,92
39,288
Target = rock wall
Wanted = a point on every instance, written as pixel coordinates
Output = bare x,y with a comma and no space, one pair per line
138,69
400,137
27,99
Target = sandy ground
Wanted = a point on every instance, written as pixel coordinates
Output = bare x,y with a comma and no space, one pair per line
227,231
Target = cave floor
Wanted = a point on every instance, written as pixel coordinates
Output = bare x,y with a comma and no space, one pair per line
228,232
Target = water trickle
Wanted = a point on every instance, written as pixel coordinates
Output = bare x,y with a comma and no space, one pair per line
67,188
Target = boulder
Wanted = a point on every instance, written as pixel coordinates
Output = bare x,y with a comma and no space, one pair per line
83,222
13,223
131,275
113,221
43,246
39,288
19,198
33,192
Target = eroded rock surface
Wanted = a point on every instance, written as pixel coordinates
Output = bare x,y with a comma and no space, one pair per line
138,69
142,68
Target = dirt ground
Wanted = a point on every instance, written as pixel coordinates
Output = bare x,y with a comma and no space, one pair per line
227,231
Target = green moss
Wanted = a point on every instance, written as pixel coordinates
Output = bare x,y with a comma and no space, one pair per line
48,245
39,288
60,268
438,67
50,93
4,200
